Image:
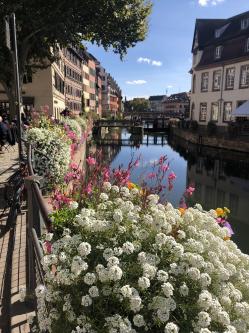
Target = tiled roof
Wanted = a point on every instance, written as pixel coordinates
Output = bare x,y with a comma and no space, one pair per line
181,97
232,39
156,98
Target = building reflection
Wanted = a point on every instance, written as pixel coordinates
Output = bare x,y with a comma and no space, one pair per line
221,179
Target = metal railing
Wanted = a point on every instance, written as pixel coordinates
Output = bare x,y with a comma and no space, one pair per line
38,222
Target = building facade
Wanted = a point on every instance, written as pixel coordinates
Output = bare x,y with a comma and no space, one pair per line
220,69
177,105
76,81
156,103
73,80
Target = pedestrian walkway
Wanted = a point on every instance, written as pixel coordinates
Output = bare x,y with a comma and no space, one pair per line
13,313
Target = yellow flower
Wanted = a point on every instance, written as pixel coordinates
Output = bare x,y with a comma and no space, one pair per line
131,185
227,211
219,211
181,210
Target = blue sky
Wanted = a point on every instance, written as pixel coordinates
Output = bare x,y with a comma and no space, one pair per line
161,62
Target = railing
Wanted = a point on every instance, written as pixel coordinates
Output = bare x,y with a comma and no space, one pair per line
37,222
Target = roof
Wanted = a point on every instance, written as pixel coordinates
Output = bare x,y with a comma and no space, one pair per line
242,110
232,38
180,97
156,98
205,28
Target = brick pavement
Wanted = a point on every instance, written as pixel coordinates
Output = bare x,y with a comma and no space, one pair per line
13,313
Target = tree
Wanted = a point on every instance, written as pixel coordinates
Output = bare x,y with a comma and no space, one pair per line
42,25
137,105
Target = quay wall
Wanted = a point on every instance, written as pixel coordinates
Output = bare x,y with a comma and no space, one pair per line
211,141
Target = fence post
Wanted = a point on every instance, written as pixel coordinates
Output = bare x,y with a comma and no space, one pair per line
32,211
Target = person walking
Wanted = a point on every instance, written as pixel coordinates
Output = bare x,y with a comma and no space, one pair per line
3,134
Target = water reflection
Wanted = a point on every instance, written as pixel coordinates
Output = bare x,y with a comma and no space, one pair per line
221,177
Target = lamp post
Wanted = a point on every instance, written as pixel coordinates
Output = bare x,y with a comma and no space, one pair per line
11,43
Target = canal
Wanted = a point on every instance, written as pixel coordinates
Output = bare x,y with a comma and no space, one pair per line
220,177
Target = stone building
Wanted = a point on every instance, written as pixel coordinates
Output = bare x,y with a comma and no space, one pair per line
177,105
156,103
220,69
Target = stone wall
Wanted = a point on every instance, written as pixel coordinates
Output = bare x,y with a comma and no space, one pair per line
211,141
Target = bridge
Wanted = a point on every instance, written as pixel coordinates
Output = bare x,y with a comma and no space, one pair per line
119,142
117,123
157,140
135,126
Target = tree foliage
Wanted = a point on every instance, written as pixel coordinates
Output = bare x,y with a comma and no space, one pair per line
137,105
41,25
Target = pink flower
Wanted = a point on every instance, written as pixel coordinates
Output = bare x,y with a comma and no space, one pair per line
89,189
190,190
73,166
151,175
136,164
91,161
171,176
47,247
164,168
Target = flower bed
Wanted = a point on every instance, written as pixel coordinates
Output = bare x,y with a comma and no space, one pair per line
122,264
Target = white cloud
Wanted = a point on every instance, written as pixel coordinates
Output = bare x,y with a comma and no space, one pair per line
169,86
146,60
136,82
149,61
156,63
205,3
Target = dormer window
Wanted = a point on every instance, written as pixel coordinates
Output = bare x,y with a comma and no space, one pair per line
244,23
217,33
218,51
220,31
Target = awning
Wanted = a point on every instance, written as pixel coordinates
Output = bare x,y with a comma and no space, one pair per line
242,110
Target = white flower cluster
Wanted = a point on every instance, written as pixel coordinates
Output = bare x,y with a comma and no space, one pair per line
74,125
82,122
51,153
130,267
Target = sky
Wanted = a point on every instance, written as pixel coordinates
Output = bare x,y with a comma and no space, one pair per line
161,63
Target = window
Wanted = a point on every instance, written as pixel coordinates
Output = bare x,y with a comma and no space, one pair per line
217,33
58,83
247,45
218,51
194,83
230,75
244,76
216,80
204,82
227,111
92,84
214,111
244,23
192,111
27,78
203,111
